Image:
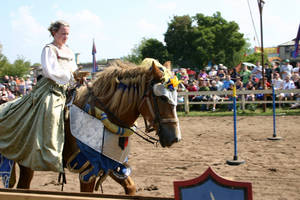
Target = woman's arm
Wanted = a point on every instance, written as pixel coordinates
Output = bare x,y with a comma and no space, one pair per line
52,69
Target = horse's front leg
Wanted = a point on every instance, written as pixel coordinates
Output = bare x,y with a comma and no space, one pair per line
26,175
127,184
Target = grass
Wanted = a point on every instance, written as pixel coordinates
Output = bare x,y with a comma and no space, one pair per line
247,112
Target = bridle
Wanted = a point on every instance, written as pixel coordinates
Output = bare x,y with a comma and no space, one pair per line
154,111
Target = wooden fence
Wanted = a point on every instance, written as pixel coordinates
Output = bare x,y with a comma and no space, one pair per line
16,194
240,93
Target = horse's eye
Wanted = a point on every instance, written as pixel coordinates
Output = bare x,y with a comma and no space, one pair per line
164,98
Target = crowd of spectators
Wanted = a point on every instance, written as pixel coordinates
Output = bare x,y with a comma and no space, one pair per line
220,78
12,87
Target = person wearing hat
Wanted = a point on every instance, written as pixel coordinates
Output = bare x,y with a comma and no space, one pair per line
286,69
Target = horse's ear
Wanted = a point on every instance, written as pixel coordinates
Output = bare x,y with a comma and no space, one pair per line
156,72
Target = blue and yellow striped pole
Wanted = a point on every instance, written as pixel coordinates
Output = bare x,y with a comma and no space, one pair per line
235,160
274,117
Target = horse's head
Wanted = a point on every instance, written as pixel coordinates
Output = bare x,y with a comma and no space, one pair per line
158,107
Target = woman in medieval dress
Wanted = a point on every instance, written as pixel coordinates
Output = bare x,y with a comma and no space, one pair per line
32,127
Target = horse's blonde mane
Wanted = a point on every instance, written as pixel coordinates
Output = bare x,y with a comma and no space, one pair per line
119,87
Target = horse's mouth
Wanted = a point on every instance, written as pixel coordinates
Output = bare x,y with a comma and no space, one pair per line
169,144
169,135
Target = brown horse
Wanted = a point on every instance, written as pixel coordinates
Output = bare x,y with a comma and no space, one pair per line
123,105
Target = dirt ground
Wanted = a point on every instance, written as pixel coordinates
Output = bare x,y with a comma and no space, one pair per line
273,167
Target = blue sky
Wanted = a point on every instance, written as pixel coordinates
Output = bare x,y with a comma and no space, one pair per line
118,25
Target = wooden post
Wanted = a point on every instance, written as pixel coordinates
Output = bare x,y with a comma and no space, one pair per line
243,100
186,104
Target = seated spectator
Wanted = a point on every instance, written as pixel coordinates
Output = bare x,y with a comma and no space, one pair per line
250,86
288,84
239,84
254,80
277,82
297,96
257,71
192,87
181,88
233,74
296,69
5,80
202,74
261,86
295,77
3,93
219,83
10,95
227,83
184,76
268,72
21,86
286,69
214,97
276,68
1,86
28,85
221,74
12,85
213,73
245,74
202,86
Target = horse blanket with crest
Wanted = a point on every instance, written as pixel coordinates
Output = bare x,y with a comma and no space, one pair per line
100,149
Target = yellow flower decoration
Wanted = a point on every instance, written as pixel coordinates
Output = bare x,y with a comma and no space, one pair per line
173,83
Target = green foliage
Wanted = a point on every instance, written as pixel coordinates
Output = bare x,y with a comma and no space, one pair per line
194,41
180,41
148,48
254,57
135,56
19,68
153,48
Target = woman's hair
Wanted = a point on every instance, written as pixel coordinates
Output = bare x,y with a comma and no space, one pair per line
55,26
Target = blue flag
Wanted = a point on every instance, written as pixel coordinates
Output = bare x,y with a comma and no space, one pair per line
295,52
94,57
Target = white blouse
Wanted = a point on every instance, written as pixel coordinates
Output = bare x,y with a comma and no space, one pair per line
53,69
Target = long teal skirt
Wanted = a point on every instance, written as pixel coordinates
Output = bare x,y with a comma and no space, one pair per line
32,127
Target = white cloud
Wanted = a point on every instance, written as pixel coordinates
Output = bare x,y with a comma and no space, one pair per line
25,26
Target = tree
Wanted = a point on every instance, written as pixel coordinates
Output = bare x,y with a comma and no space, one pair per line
254,57
19,68
148,48
135,56
194,41
153,48
179,40
3,61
